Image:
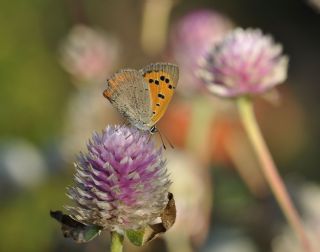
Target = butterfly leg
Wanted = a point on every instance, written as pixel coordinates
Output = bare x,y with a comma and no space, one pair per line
124,124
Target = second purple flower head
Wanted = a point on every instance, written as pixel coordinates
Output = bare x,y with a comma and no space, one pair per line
246,62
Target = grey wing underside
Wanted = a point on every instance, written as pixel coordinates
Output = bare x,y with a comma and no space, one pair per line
130,95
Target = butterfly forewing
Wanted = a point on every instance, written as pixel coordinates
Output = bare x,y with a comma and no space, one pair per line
130,94
162,79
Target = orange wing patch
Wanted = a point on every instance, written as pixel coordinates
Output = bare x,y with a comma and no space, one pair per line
112,85
161,87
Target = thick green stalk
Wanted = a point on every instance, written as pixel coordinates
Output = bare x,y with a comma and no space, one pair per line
270,170
116,242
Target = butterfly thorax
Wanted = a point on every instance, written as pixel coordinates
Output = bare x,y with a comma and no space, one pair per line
138,122
145,127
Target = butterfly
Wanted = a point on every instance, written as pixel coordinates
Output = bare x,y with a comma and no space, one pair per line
142,96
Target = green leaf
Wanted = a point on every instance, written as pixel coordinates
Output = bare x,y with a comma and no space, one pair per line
136,236
90,232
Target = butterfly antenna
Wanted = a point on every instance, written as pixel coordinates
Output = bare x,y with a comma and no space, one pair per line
171,145
164,146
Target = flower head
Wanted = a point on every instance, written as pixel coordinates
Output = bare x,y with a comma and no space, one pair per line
89,54
246,62
191,37
121,183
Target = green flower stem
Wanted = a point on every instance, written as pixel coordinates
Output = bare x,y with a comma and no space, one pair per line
116,242
270,170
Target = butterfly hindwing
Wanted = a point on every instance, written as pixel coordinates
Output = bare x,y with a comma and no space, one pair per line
162,79
129,93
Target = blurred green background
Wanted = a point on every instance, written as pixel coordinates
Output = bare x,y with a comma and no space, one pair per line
39,115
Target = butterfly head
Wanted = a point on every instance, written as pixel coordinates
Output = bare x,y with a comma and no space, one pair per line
153,129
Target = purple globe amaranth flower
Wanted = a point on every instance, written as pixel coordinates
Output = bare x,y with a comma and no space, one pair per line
121,183
246,62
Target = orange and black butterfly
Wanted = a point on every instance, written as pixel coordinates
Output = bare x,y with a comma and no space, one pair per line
142,96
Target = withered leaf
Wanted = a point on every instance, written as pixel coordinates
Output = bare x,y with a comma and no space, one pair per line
75,230
168,217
